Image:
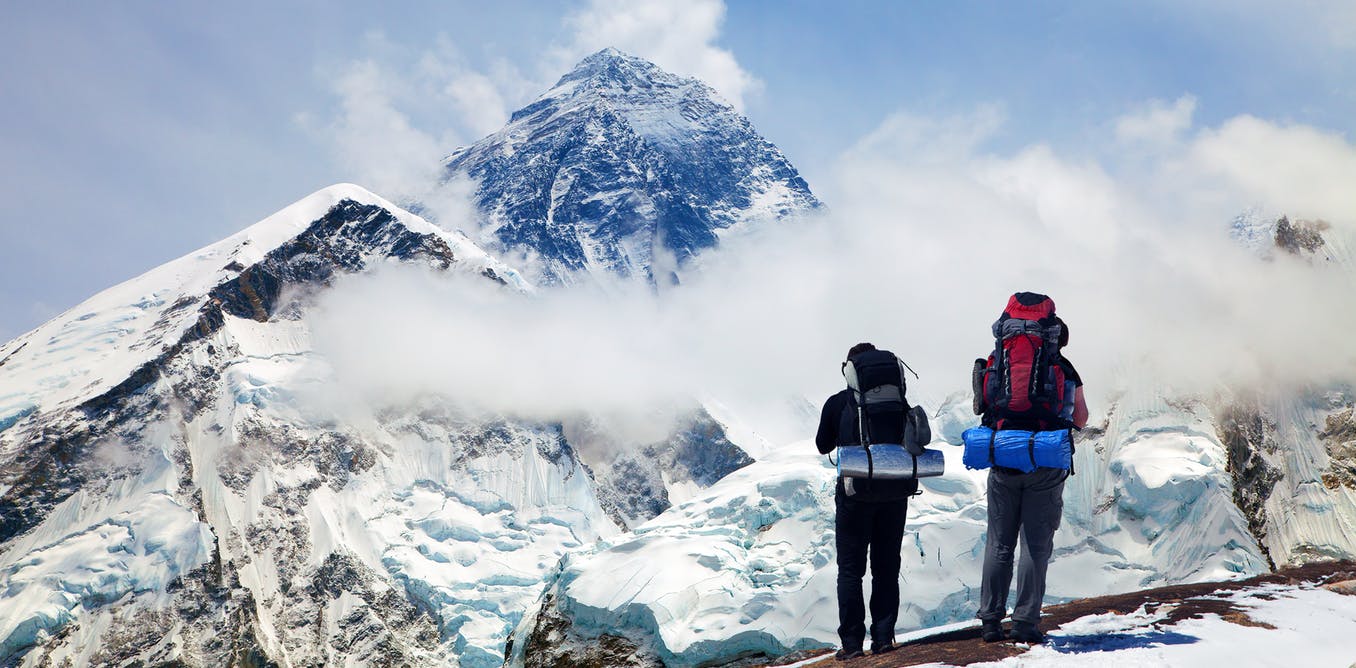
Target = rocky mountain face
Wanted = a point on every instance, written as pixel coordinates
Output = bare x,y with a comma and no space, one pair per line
172,491
156,473
623,168
1289,452
177,487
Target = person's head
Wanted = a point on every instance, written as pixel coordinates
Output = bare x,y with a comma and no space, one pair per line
859,349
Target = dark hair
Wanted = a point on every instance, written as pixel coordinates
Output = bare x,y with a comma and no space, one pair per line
859,348
1063,332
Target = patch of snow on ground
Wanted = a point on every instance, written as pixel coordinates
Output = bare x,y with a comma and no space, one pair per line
1313,627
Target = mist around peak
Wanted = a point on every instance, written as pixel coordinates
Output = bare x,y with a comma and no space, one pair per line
927,233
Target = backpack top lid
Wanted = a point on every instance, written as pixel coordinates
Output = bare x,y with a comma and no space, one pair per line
1029,306
875,376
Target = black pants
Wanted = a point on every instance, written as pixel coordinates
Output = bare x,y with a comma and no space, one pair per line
879,527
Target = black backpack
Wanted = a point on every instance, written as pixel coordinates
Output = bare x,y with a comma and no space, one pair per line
876,378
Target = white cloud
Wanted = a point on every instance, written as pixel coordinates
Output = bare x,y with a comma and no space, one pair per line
1134,251
918,254
1159,124
1298,169
922,139
374,139
477,101
678,35
401,112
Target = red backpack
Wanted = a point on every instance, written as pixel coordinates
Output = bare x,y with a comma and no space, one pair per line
1021,385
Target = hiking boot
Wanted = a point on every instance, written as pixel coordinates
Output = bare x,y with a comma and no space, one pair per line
992,630
849,653
1027,632
883,647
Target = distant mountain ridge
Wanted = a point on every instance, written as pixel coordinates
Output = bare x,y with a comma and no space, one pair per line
623,168
167,496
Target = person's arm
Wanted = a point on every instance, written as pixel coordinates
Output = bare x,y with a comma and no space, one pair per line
1080,414
826,439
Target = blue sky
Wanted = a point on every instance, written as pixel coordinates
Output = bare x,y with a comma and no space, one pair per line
132,133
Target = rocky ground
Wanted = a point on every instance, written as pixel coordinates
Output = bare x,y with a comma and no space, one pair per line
963,647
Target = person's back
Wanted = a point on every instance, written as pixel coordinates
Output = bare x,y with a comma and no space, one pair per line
1026,384
869,514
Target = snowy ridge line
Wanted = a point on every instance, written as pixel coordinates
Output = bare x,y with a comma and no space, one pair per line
124,339
103,346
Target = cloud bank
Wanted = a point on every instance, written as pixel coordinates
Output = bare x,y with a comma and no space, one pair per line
929,236
678,35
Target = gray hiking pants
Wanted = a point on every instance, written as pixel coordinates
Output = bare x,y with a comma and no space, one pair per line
1029,503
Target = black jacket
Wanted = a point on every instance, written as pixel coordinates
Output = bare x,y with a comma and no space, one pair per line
838,426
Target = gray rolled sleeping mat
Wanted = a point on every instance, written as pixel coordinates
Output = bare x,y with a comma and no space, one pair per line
895,461
887,461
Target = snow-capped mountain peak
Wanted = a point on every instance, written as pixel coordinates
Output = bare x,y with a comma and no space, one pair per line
610,76
120,329
171,490
623,168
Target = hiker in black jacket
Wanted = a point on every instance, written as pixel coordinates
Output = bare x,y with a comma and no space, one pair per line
869,517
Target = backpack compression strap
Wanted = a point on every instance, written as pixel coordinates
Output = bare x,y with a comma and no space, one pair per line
1073,450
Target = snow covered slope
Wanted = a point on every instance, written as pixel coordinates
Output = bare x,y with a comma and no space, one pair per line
135,420
178,483
747,568
624,168
183,422
98,343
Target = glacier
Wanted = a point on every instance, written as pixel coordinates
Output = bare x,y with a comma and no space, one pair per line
221,477
185,423
747,567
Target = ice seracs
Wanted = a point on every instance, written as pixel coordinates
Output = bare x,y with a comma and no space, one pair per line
243,510
163,429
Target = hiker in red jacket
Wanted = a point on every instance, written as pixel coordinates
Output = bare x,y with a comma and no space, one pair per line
1026,384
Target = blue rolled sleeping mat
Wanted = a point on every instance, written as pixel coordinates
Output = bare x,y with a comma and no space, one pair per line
888,461
1017,449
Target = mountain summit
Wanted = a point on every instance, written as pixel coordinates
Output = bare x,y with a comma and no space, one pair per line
181,483
627,169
